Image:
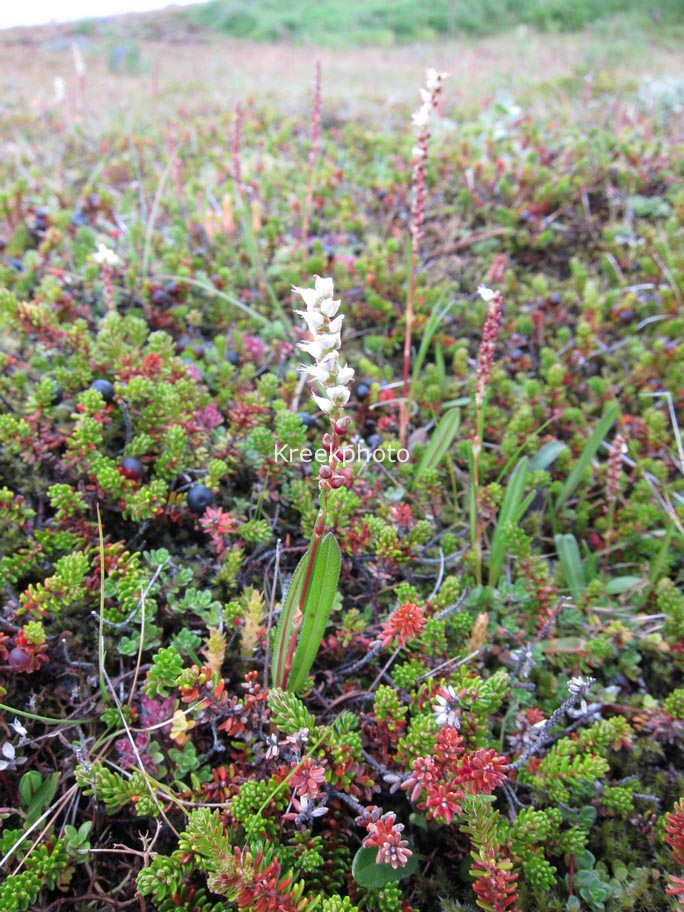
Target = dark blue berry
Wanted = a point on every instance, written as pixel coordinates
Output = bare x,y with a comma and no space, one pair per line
374,441
104,388
132,468
159,297
361,391
232,357
199,498
307,419
57,394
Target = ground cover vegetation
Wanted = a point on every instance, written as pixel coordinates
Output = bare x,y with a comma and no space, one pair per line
237,679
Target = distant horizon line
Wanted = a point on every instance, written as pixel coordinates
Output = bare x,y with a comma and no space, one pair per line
25,19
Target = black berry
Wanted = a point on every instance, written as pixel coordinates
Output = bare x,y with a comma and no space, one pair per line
199,498
361,391
233,357
132,468
159,297
307,419
104,388
57,394
374,441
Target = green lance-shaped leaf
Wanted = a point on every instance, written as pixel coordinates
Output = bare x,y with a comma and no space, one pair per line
316,602
441,440
512,510
586,456
571,564
548,454
320,596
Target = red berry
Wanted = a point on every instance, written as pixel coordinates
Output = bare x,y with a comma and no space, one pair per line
19,659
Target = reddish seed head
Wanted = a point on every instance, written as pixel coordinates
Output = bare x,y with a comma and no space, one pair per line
325,472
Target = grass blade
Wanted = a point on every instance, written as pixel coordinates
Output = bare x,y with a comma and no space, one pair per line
586,456
441,440
571,565
511,511
287,614
547,455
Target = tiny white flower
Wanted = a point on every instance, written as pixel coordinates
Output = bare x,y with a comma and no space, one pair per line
324,404
8,751
324,287
312,348
485,293
313,319
422,116
105,257
18,727
338,395
578,686
446,707
316,372
329,341
329,307
344,375
336,324
434,79
308,295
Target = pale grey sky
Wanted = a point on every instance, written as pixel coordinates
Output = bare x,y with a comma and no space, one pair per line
36,12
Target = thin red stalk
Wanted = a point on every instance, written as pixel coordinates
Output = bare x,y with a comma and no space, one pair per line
405,404
236,145
313,152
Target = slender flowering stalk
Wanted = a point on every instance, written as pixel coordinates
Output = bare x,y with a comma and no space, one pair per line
485,363
80,70
107,260
421,124
332,378
236,144
314,141
617,451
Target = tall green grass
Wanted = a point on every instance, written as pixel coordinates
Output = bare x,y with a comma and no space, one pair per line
393,21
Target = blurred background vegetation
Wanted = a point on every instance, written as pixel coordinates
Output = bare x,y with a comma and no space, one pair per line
399,21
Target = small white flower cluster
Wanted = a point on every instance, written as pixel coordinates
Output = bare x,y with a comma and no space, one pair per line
325,326
8,753
446,707
578,687
428,97
105,257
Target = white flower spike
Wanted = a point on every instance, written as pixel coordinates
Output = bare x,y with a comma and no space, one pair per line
325,327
